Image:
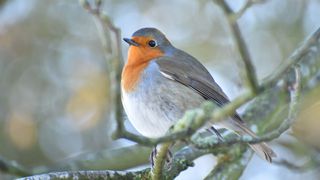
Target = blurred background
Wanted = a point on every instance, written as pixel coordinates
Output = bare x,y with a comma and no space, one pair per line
54,86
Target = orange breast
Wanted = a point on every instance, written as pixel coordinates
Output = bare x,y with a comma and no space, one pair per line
138,59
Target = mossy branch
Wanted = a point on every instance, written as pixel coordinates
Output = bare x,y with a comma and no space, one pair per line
294,92
240,42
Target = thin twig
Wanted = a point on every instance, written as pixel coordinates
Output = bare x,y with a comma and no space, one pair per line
247,5
307,165
241,45
295,58
104,27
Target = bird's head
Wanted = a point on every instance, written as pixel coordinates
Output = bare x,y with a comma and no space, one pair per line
147,44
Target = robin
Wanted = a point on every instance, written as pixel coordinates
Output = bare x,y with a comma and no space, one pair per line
160,82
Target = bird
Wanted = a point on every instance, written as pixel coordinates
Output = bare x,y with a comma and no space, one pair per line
160,82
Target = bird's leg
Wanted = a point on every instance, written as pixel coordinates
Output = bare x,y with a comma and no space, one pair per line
216,132
169,158
153,156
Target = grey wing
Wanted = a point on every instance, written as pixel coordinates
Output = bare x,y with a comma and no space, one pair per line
194,76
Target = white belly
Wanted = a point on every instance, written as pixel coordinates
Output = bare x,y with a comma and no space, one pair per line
157,103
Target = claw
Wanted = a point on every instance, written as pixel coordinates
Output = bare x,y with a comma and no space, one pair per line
216,132
169,159
153,156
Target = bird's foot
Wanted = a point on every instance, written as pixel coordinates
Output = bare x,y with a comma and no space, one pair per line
153,157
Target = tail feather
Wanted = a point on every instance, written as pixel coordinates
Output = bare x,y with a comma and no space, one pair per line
262,149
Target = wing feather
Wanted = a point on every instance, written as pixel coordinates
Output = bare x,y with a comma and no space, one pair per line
195,78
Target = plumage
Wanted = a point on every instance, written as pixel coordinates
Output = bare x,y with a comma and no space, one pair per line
156,103
168,82
189,76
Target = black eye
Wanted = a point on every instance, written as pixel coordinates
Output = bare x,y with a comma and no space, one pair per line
152,43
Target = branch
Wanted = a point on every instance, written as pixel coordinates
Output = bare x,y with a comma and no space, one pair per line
294,90
192,121
157,173
182,160
115,159
195,116
309,164
247,5
105,26
91,175
232,164
11,167
241,45
310,160
305,48
184,157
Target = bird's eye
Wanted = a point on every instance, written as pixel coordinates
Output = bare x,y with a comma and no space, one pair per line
152,43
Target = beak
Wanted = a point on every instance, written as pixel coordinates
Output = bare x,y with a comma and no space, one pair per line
130,42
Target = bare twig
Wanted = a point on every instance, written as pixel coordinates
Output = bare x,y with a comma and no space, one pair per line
246,6
241,45
307,165
306,47
105,26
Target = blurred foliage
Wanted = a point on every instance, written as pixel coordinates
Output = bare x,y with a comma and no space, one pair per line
54,86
